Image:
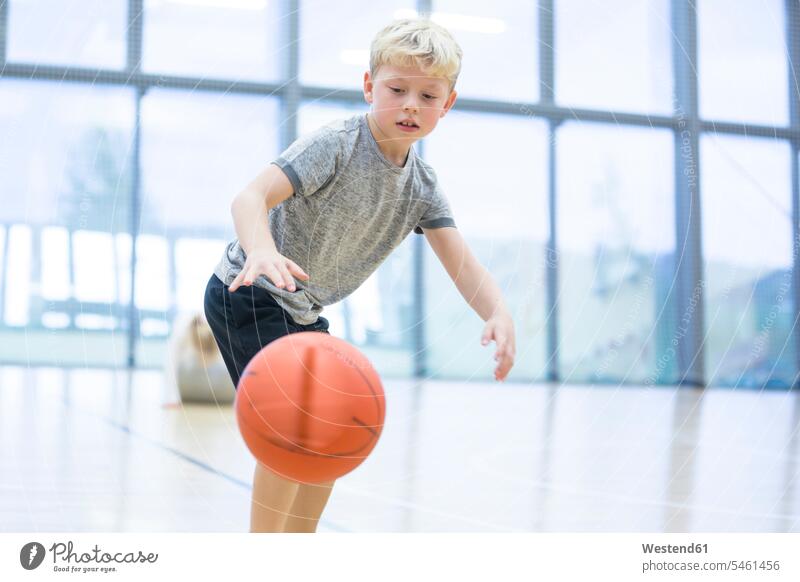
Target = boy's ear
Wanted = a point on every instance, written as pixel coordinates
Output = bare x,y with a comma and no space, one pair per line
449,103
368,87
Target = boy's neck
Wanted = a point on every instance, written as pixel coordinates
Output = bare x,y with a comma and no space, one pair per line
394,151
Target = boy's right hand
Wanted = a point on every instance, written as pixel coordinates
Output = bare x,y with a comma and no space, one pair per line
271,263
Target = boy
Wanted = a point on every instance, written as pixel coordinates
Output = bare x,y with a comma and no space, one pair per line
338,202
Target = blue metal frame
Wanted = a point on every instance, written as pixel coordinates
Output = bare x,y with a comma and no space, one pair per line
793,42
689,285
547,76
3,32
134,60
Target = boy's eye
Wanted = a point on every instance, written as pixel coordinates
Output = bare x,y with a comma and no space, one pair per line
399,90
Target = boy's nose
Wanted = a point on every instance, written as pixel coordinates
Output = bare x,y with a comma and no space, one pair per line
411,106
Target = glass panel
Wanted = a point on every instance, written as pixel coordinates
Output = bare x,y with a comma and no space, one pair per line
338,57
195,260
230,39
500,207
313,115
742,61
198,151
84,33
65,161
17,296
616,230
378,316
152,273
492,33
614,55
55,263
747,247
3,274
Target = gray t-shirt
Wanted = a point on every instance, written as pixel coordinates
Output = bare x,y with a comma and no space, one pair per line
351,207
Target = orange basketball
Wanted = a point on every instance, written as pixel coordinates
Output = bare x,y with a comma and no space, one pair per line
310,407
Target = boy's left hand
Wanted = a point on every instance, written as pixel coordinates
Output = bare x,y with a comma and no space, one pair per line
500,328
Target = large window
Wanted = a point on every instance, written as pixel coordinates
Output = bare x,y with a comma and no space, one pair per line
742,65
84,33
65,161
614,55
231,39
747,245
615,225
127,135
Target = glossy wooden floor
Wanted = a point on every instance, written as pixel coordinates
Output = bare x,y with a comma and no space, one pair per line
96,450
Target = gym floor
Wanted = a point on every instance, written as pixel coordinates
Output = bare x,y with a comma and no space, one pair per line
113,451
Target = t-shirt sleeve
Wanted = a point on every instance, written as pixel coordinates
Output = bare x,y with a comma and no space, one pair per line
310,162
438,213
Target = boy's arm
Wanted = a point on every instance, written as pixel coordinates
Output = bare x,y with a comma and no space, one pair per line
250,207
250,218
479,290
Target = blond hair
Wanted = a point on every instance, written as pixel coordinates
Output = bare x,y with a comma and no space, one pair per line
417,42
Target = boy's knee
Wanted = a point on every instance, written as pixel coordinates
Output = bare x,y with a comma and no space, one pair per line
299,524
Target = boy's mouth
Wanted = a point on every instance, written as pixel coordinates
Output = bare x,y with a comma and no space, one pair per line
407,125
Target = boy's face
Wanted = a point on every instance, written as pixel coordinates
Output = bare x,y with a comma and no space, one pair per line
407,94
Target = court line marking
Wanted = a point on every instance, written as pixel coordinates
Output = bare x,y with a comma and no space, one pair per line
189,459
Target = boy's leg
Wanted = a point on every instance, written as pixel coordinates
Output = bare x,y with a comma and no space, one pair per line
272,500
242,324
307,507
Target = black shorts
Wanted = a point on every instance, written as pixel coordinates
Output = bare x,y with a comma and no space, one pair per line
245,321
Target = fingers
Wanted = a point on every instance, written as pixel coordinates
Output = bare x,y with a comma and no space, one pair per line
504,356
295,270
503,368
245,277
279,272
236,282
502,332
488,334
501,347
504,364
287,278
275,276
